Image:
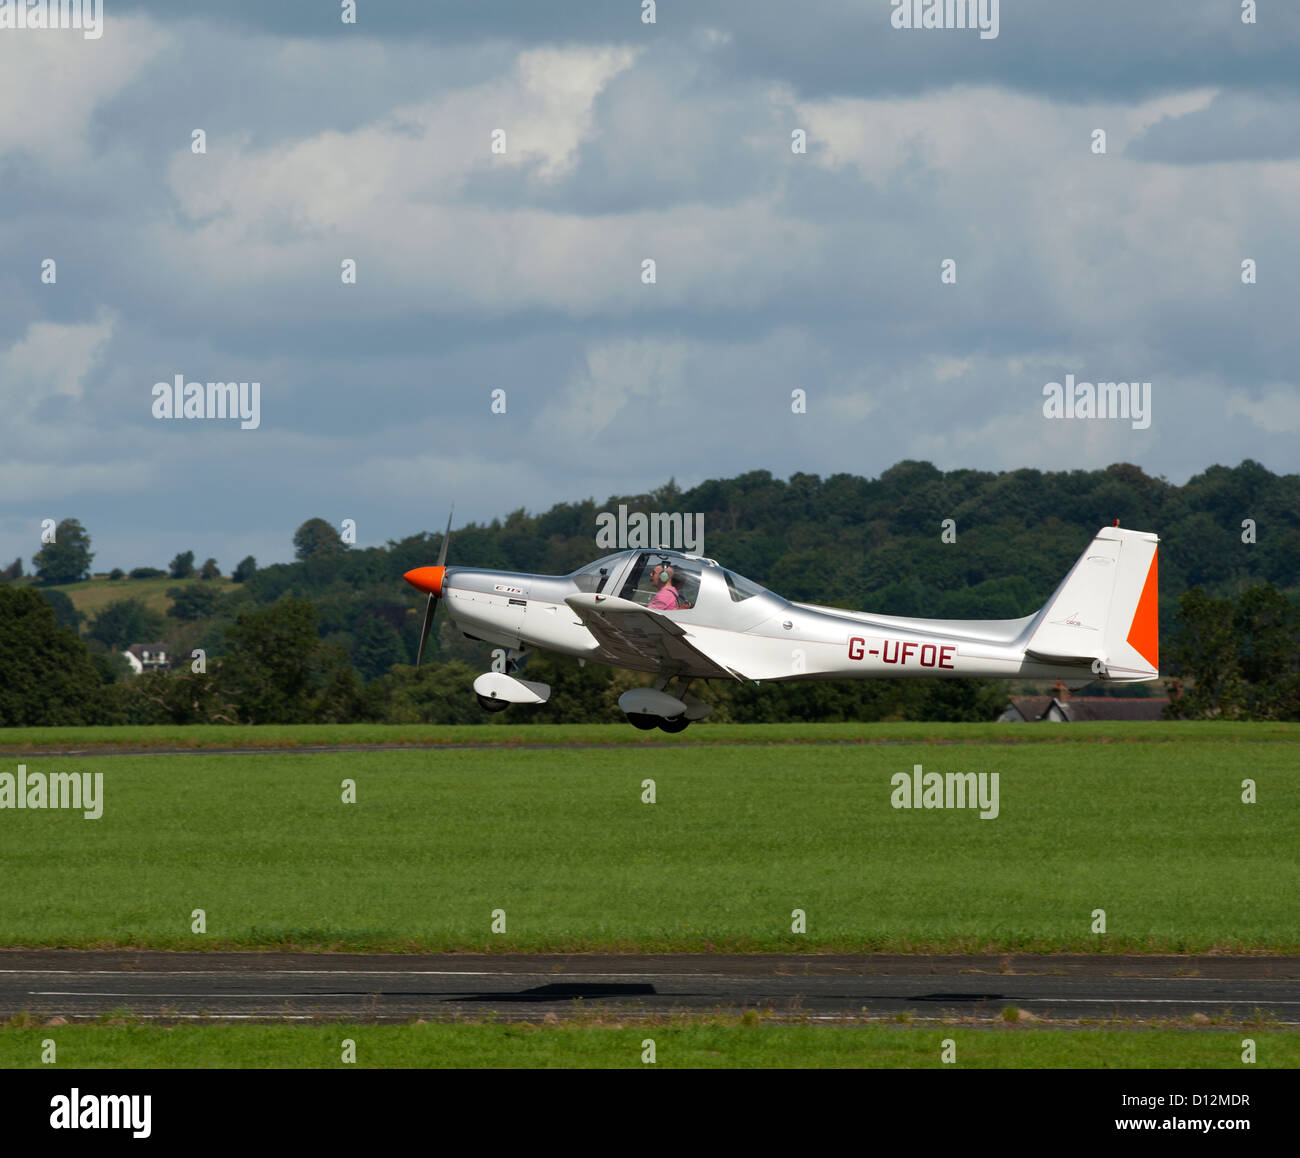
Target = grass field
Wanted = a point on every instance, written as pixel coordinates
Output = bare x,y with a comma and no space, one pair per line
678,1044
91,596
1151,831
22,741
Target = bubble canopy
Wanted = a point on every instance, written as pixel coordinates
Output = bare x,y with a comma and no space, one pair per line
594,576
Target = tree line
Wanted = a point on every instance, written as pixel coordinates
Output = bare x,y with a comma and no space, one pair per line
340,629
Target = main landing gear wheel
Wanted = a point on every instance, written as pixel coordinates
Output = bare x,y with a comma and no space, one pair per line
645,723
677,724
490,705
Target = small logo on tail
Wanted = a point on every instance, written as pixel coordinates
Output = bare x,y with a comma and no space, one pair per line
1072,620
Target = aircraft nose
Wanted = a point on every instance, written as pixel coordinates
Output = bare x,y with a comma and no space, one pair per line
427,579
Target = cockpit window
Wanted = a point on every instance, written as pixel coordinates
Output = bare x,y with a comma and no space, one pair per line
740,588
664,582
593,577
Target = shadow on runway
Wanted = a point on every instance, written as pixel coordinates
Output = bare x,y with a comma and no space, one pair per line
559,991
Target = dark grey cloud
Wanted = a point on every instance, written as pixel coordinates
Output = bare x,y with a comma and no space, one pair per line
1235,126
775,271
1069,48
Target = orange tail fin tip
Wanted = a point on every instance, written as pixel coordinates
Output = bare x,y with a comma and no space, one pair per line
1144,633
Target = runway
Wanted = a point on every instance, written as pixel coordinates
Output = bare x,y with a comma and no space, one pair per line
79,985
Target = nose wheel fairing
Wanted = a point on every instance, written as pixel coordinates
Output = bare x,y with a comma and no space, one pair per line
496,691
657,707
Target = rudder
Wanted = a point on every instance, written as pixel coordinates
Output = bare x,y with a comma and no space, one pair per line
1106,611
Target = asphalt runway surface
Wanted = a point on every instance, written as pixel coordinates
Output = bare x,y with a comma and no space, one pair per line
86,984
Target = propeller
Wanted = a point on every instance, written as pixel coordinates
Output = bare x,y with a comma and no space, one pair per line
430,579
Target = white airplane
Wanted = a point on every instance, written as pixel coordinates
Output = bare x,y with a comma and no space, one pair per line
685,618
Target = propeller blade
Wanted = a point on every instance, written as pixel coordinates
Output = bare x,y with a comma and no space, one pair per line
429,609
429,579
446,538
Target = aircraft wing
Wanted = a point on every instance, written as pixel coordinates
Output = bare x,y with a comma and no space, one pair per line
637,637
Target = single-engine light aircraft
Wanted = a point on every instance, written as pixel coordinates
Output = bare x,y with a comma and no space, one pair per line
686,618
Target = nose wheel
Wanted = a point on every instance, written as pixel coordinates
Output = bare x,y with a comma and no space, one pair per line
490,705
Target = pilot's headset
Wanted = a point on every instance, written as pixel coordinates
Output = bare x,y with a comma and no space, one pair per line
662,573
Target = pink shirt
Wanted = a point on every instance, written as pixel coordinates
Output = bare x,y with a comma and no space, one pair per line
665,599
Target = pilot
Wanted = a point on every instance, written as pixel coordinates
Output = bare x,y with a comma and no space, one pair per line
667,597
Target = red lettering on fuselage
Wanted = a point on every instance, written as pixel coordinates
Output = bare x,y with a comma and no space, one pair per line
924,654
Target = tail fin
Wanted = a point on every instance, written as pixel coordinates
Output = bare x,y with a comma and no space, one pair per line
1106,612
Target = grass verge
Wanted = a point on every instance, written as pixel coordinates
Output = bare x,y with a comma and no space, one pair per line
714,1043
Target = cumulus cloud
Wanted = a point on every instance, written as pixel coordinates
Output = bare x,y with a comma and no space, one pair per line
51,360
775,270
54,85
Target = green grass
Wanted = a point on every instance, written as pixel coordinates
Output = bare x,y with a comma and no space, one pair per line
24,740
712,1043
91,596
1153,833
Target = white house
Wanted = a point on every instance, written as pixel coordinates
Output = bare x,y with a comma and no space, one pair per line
145,657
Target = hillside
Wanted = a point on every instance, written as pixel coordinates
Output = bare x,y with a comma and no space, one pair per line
91,596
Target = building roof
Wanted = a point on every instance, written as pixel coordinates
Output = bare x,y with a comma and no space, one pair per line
1080,709
1030,707
1114,708
138,649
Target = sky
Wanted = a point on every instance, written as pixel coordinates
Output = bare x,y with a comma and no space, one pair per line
500,172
